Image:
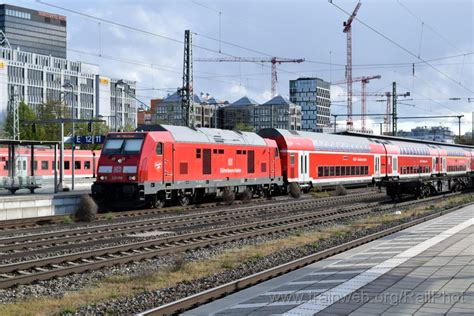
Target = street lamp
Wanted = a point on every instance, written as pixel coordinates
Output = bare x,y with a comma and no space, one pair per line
69,85
121,83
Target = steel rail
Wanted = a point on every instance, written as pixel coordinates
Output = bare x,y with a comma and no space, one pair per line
245,282
28,271
37,222
56,238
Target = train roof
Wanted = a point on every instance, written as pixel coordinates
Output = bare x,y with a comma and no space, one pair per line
399,140
208,135
321,140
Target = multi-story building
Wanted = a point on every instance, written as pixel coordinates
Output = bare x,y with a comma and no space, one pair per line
36,79
434,133
278,112
34,31
148,117
241,111
169,111
314,97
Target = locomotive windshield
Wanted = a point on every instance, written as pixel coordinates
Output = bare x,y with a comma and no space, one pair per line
115,146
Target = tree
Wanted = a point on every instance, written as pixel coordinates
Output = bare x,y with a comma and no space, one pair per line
244,127
25,114
464,140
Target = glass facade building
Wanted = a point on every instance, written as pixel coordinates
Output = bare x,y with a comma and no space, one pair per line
314,97
40,78
34,31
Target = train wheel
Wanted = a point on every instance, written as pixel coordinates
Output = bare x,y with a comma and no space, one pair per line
184,200
228,196
294,190
246,196
156,202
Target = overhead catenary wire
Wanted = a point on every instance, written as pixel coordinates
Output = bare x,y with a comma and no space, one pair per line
403,48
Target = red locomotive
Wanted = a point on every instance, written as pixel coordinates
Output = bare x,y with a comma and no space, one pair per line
182,164
174,163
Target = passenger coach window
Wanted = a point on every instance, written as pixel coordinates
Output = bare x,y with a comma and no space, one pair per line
87,165
77,165
44,165
159,149
67,165
320,171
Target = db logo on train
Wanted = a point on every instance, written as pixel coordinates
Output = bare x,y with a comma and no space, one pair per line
157,165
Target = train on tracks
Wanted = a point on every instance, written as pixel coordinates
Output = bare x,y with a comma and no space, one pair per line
180,164
85,161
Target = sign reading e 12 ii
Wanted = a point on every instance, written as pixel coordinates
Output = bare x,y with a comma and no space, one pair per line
89,139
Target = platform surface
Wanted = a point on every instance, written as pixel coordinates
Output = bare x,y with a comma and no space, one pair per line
427,269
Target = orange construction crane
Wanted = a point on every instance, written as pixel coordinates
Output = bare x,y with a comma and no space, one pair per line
364,81
348,30
273,60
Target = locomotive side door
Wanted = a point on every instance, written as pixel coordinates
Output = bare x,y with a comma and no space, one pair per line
168,161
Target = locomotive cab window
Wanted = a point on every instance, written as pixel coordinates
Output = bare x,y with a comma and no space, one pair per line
159,149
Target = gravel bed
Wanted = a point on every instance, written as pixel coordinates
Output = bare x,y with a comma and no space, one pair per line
150,299
133,219
40,253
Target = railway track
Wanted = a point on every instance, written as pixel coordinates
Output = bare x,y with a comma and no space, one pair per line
234,286
7,226
43,240
28,271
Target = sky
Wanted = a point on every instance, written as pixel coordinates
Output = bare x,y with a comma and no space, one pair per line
388,37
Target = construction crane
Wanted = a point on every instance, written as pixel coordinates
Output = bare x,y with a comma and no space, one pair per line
348,30
364,81
273,60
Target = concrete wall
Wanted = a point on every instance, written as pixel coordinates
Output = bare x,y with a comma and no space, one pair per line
34,206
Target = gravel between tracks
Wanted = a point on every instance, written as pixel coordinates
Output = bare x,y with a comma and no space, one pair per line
59,286
150,299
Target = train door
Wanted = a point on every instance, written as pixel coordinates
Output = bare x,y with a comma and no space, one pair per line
433,164
168,153
22,165
377,166
273,157
303,166
395,166
443,164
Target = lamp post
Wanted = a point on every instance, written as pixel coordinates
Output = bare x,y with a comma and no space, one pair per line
121,83
68,85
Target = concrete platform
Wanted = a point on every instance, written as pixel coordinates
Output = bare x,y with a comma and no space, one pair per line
39,204
427,269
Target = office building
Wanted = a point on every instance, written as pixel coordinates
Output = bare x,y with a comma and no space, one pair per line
241,112
314,97
169,111
278,112
36,79
34,31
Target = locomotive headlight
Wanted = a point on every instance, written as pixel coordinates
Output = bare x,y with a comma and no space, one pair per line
132,178
103,178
